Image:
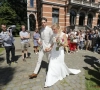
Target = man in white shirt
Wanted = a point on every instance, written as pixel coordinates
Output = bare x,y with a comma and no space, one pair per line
24,41
44,42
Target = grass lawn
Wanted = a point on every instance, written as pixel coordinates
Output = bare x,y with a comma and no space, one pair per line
92,77
1,49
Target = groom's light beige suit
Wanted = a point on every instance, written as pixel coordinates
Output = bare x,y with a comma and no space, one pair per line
46,39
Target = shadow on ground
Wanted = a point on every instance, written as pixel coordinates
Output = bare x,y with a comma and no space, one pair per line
6,75
90,60
93,71
95,75
44,65
1,54
17,57
2,59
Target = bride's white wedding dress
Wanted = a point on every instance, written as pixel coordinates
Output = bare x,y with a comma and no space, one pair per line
57,69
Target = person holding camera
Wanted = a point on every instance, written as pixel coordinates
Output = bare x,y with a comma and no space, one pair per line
8,43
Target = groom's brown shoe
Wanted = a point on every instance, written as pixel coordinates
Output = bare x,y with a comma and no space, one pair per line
32,76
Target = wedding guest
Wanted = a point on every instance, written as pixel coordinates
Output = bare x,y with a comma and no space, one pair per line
90,40
8,43
36,37
86,40
67,47
72,43
24,36
95,41
77,38
29,38
81,37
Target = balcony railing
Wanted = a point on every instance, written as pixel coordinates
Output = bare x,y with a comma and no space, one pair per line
85,3
75,1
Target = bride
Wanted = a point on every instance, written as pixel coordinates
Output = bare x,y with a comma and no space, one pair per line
57,69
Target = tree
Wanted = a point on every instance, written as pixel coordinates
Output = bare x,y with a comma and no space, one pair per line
7,14
20,7
13,12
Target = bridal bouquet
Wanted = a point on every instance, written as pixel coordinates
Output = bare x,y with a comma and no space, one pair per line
59,42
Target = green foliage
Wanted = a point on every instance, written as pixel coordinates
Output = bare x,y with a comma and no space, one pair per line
92,79
7,14
1,50
13,12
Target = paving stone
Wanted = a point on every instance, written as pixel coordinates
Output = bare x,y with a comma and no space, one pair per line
23,86
16,88
25,82
18,75
11,85
8,88
36,88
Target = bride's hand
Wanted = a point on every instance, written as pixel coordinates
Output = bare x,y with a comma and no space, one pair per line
45,50
48,49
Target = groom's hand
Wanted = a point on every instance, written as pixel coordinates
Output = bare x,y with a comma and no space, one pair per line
45,50
40,43
48,49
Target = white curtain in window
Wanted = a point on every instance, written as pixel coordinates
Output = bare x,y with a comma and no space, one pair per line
55,18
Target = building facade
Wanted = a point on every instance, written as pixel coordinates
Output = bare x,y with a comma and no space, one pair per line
31,15
75,14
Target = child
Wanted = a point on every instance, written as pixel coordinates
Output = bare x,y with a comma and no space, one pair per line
36,37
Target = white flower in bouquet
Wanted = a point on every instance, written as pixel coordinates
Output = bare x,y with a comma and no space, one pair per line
59,42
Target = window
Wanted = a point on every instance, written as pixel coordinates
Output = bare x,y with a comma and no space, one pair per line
82,18
31,3
92,1
55,15
98,23
90,20
72,17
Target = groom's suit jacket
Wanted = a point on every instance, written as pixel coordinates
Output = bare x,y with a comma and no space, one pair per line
46,35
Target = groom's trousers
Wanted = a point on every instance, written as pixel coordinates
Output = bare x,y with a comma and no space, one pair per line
40,57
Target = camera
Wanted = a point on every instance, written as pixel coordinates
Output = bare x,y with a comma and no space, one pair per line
11,28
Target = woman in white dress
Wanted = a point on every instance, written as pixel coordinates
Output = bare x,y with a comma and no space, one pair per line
57,69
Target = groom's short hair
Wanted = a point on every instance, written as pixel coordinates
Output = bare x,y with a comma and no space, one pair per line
43,18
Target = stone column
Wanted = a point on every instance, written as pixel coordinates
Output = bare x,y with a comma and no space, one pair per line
95,18
28,23
36,20
77,19
68,19
86,20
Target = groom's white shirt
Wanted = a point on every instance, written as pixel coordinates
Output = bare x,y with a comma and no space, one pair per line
46,37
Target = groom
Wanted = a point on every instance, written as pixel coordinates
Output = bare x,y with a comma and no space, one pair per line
46,34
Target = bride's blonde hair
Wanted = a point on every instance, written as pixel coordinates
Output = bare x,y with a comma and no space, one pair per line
57,26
